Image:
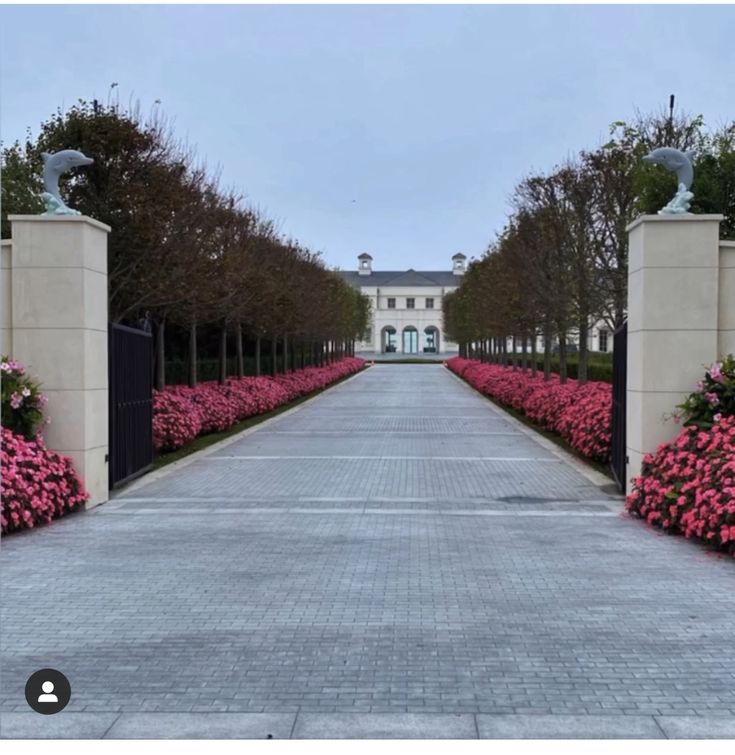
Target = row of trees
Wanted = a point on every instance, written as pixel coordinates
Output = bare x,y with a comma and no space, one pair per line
185,253
560,263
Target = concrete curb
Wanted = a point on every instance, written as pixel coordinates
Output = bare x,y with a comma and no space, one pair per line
398,726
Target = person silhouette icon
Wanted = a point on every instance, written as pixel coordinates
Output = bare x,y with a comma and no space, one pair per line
48,697
56,691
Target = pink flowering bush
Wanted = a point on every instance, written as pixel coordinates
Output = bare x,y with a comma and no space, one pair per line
22,402
714,397
181,413
581,414
688,486
585,420
217,406
176,420
38,485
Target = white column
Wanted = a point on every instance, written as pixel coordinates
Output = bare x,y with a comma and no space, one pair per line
672,322
6,311
727,298
59,320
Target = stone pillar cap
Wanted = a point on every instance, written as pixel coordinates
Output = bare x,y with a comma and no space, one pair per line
59,219
673,219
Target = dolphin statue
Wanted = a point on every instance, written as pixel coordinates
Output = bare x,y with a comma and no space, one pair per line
675,160
680,163
54,164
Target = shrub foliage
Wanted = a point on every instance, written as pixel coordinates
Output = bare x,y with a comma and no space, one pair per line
687,486
579,413
22,401
181,413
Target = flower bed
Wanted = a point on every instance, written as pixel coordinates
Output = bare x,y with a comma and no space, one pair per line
181,413
579,413
38,485
687,486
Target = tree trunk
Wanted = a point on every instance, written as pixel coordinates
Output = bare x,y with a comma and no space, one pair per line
562,358
534,353
238,347
547,351
223,354
161,356
285,352
274,356
524,354
192,355
583,351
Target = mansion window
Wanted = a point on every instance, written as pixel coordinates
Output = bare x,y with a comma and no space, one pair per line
429,304
410,303
603,340
391,303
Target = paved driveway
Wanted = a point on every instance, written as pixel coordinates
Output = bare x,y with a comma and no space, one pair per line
394,558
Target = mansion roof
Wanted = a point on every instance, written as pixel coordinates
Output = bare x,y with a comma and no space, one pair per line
403,278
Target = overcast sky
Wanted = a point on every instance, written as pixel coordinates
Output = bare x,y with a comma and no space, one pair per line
397,130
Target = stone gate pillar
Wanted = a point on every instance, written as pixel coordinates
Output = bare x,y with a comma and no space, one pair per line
673,265
59,331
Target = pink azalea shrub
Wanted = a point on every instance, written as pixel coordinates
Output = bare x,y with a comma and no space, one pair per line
581,414
181,413
255,395
714,397
38,485
688,486
21,405
216,405
585,420
176,420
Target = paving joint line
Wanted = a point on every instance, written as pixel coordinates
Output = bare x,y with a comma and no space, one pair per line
109,728
659,727
385,458
293,725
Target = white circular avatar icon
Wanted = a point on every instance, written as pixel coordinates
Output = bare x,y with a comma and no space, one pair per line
48,697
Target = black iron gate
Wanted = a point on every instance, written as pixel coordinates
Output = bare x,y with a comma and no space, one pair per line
618,456
131,403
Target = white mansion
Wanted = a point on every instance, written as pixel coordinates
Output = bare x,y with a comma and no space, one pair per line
406,306
407,310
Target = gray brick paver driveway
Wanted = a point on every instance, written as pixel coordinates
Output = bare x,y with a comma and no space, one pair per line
396,546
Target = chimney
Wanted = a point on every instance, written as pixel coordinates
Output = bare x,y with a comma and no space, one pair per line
458,264
364,264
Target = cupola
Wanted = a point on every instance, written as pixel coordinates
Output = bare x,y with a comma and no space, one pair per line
364,264
458,264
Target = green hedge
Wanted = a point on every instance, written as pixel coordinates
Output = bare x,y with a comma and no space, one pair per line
599,365
177,371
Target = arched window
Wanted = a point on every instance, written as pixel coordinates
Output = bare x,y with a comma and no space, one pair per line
388,339
431,340
410,340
